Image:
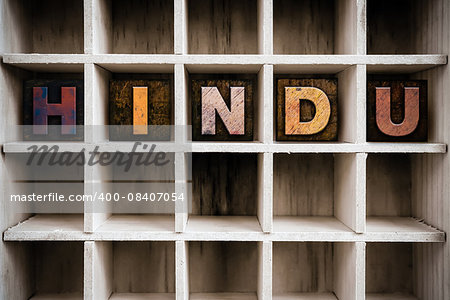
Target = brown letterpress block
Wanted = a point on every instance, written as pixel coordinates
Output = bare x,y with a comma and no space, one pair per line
53,110
306,109
140,109
397,110
222,108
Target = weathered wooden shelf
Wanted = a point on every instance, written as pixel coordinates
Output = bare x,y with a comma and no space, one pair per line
304,296
224,296
142,296
61,296
250,147
358,195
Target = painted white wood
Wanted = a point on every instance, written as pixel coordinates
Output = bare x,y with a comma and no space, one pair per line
265,191
102,281
134,223
312,233
180,27
88,23
361,30
345,270
50,222
222,224
361,192
89,270
264,270
375,63
361,116
348,105
327,225
101,27
223,296
182,270
265,27
142,296
304,296
251,147
360,269
347,29
352,104
181,188
386,296
181,136
346,191
96,115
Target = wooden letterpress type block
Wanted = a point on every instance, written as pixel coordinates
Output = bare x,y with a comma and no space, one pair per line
53,110
140,109
222,108
306,109
397,110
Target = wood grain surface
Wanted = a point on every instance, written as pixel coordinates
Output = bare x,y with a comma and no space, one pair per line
397,110
307,109
121,109
223,85
54,90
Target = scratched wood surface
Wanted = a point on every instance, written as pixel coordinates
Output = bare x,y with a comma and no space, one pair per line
58,267
389,185
222,27
56,26
307,109
223,85
144,267
397,109
142,26
302,267
411,20
224,184
303,185
389,268
54,96
121,109
223,267
303,27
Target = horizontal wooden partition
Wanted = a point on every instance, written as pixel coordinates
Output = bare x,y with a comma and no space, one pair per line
345,219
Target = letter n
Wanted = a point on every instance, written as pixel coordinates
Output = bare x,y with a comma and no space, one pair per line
233,118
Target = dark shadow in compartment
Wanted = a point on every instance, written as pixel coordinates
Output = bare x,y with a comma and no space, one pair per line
222,27
142,26
303,27
403,26
223,267
224,184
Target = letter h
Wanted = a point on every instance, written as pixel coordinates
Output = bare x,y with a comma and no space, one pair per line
66,109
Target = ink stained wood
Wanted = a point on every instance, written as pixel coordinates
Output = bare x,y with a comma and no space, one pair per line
223,85
397,110
121,109
224,184
307,109
54,96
